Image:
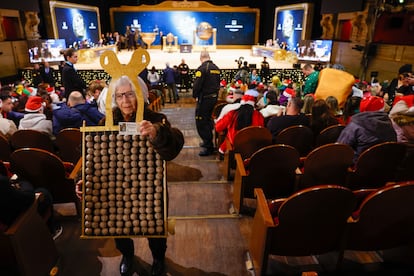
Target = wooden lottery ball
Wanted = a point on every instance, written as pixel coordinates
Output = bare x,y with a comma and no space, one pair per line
150,217
104,192
125,198
133,177
127,138
149,183
150,149
111,203
89,157
111,152
104,158
104,231
135,203
119,144
150,188
88,231
134,157
157,209
102,224
95,192
90,151
150,163
95,179
126,165
119,177
157,202
135,184
119,231
98,173
143,223
128,204
112,137
150,176
135,210
112,230
127,191
134,150
88,211
142,150
119,197
111,196
158,156
157,182
149,203
127,157
119,203
119,216
103,212
96,147
158,163
119,137
142,163
88,184
89,164
158,216
150,196
142,217
119,171
88,198
144,229
112,211
134,190
142,144
142,157
120,157
158,189
127,211
119,223
95,198
125,217
128,223
89,138
112,218
151,170
135,222
141,197
105,205
134,171
89,144
157,196
97,212
88,217
89,204
97,186
88,171
151,230
89,178
112,170
142,190
104,138
142,170
111,191
148,143
136,230
126,147
141,176
135,144
119,190
141,210
119,150
159,222
133,216
97,138
97,205
149,210
159,229
104,171
104,182
104,217
96,218
88,224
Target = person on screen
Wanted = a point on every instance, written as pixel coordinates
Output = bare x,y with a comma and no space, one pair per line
287,25
78,25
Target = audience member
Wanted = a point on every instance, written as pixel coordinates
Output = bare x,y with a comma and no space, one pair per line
402,117
235,104
7,127
47,74
351,108
308,101
322,117
293,117
169,80
369,127
184,71
36,75
35,118
246,115
153,77
70,78
75,113
272,107
332,103
311,79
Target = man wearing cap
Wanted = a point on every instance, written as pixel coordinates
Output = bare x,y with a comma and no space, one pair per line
34,118
369,127
205,90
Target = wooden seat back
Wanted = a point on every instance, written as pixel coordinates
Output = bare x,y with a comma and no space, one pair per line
300,137
29,138
69,145
250,139
327,164
5,149
384,220
329,135
377,165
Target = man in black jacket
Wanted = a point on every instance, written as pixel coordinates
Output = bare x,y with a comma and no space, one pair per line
205,91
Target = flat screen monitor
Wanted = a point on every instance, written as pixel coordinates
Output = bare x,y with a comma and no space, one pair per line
314,50
49,50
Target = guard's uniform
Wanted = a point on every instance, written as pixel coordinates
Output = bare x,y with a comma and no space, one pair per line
205,89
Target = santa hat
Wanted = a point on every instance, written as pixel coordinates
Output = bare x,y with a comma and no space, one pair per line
238,83
403,105
223,83
289,92
249,97
260,85
50,89
372,103
34,104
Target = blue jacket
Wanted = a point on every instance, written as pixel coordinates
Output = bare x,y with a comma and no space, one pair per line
66,117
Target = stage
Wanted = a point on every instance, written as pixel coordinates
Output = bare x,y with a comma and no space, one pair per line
223,58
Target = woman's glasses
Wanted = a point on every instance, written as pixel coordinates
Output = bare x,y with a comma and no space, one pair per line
128,95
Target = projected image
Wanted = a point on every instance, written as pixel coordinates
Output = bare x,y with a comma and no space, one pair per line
290,25
46,50
77,24
233,28
315,50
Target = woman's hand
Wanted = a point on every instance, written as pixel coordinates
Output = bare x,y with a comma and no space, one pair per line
148,129
78,189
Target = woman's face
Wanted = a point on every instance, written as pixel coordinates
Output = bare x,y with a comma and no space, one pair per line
126,100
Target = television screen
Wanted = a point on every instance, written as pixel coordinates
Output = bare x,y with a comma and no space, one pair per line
315,50
46,50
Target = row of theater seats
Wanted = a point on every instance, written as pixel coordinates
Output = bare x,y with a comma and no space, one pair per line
280,169
331,219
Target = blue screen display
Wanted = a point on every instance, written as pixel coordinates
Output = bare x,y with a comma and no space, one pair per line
315,50
76,25
233,28
289,28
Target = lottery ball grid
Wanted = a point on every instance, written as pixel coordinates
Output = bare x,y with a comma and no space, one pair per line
123,187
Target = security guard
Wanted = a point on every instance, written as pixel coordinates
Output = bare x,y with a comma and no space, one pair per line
205,90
